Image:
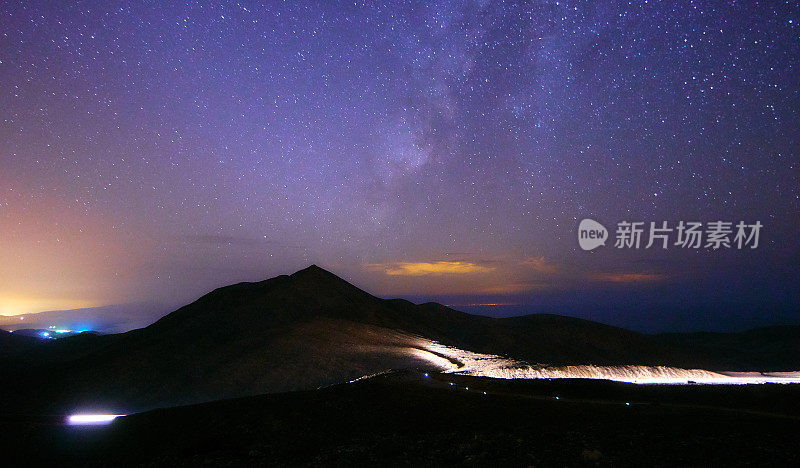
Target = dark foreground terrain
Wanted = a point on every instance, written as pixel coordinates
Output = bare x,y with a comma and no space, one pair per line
407,418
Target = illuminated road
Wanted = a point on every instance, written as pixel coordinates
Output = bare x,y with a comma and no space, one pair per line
455,360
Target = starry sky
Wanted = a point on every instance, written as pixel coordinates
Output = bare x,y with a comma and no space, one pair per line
445,151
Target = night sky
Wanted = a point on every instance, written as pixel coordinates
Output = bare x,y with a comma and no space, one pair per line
436,151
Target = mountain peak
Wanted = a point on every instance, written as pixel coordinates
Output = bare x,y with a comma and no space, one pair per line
317,274
312,269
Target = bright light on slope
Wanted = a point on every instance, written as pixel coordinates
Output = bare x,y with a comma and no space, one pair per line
487,365
635,374
435,359
84,419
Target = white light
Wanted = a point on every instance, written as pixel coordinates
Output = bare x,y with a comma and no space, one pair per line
83,419
455,360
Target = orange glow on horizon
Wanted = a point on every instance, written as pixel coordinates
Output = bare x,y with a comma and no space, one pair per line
13,306
429,268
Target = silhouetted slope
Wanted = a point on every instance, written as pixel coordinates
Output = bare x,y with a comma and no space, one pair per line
290,332
309,293
315,292
312,328
145,369
12,345
766,348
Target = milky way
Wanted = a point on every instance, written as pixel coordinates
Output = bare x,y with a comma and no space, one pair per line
152,152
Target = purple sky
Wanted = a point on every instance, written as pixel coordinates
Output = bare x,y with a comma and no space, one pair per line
437,150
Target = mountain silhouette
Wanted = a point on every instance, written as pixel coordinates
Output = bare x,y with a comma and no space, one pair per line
12,345
313,329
